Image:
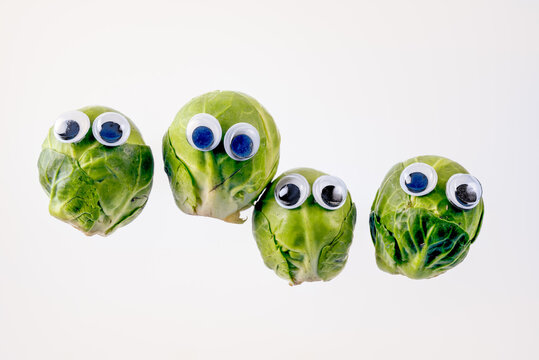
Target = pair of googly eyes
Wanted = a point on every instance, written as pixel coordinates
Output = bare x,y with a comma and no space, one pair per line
464,191
292,190
241,141
110,128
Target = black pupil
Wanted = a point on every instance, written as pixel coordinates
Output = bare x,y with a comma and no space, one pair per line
289,194
111,132
466,194
416,182
70,131
332,196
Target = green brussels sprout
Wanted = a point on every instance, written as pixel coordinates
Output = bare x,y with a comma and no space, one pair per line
425,216
214,175
96,170
305,235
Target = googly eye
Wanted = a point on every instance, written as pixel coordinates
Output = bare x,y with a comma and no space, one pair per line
71,126
111,129
241,141
203,132
463,191
330,192
292,191
418,179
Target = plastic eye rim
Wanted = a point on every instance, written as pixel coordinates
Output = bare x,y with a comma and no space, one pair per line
114,117
211,122
451,187
419,167
239,129
81,118
320,183
298,180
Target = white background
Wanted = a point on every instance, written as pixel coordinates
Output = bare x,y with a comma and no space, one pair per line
354,88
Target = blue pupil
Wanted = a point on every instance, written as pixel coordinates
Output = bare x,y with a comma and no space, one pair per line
242,146
110,132
416,182
70,131
202,137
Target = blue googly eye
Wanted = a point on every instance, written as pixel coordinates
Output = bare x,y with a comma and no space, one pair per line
203,137
203,132
242,141
111,129
416,182
70,130
418,179
71,127
111,132
242,146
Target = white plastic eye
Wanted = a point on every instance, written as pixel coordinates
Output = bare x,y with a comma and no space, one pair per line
463,191
71,126
418,179
292,191
330,192
111,129
203,132
242,141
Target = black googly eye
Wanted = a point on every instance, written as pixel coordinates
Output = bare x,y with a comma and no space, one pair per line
463,191
330,192
111,129
242,141
71,126
418,179
203,132
292,191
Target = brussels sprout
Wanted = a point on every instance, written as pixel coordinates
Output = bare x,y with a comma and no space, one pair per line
96,170
214,175
304,235
425,216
